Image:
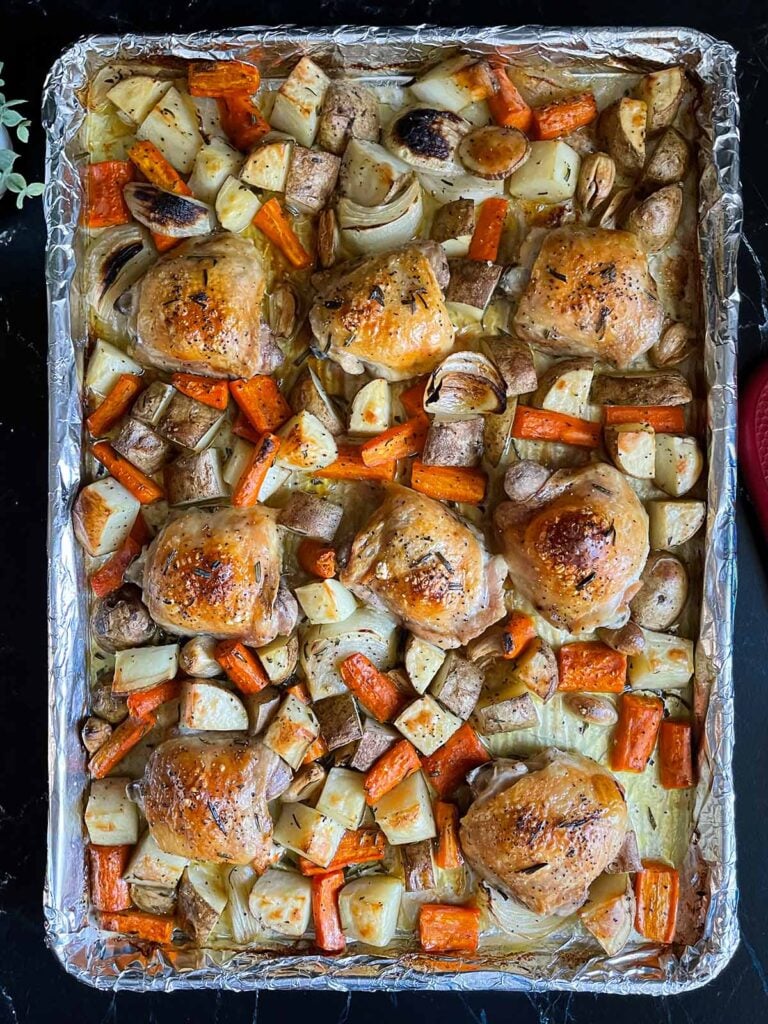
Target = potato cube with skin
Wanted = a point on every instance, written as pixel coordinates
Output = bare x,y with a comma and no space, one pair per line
665,663
136,95
549,175
311,516
506,712
537,669
110,817
427,725
149,865
139,443
404,814
662,92
107,363
457,685
267,166
138,668
329,601
103,516
622,126
678,464
454,83
189,423
279,658
195,478
292,730
172,126
471,286
211,706
375,741
305,444
609,912
371,411
339,720
671,523
454,442
350,111
514,361
343,797
309,833
151,404
282,901
236,205
566,388
632,446
311,179
262,708
299,99
214,163
422,660
418,866
369,908
202,898
453,226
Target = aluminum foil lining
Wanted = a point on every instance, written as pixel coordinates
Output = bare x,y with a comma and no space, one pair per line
708,876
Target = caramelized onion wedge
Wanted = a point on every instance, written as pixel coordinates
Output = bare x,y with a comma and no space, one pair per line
463,385
493,152
166,212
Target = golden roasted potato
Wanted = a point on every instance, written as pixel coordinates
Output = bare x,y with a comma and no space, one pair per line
622,127
641,388
663,594
669,161
662,92
632,446
655,220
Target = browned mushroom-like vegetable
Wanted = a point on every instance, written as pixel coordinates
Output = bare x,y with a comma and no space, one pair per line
107,705
524,479
673,347
463,385
662,92
663,594
120,621
492,152
452,226
597,175
139,443
591,708
628,639
311,178
427,139
642,388
669,161
454,442
95,733
622,126
514,361
655,220
350,111
311,516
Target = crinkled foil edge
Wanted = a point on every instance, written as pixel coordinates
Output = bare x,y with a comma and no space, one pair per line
116,964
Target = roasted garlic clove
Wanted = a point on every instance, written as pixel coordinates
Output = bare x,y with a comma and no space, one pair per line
596,180
673,347
463,385
591,709
327,238
283,310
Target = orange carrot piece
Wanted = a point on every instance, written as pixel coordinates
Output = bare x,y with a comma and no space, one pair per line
444,928
591,667
564,116
358,847
261,401
519,629
448,854
349,465
155,168
105,205
412,399
398,442
392,767
657,891
667,419
317,558
484,244
243,428
542,425
222,77
242,120
506,105
299,691
138,483
109,577
241,666
207,390
636,731
150,927
316,750
124,390
246,492
273,222
676,754
143,702
164,242
372,688
106,864
449,483
449,764
123,738
325,911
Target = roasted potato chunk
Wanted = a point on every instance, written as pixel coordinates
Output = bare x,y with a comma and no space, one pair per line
349,111
641,388
536,668
662,91
145,449
655,220
660,601
454,443
452,226
668,163
471,286
623,127
311,179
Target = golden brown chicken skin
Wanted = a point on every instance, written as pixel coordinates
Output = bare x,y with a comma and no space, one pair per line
576,549
591,294
543,834
199,310
385,313
418,561
204,798
219,573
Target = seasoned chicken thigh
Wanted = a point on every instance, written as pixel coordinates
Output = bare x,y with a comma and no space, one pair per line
385,313
576,548
199,310
542,831
591,294
205,798
417,560
218,573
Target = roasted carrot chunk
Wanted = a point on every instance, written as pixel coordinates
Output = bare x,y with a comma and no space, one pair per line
449,483
163,243
299,691
155,168
207,390
139,484
449,764
262,458
106,864
666,419
358,847
636,732
105,416
484,244
448,854
242,428
109,577
392,767
372,688
592,667
325,911
398,442
241,666
262,402
444,928
412,399
542,425
349,465
315,750
143,702
123,738
506,105
242,120
150,927
564,116
105,205
273,222
519,629
222,77
317,558
676,754
657,891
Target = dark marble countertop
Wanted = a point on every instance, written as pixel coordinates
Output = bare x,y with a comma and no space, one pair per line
33,988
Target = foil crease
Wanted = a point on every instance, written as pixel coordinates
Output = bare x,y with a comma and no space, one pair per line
708,876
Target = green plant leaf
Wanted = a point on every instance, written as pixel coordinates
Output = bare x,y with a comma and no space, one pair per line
22,133
7,159
35,188
15,182
10,118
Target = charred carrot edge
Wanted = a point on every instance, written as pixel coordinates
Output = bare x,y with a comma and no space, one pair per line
507,106
349,465
242,120
316,750
120,396
444,928
104,204
143,702
242,428
372,688
140,485
532,424
325,911
519,630
591,666
398,442
657,892
669,419
449,483
448,855
358,847
392,767
412,399
106,864
156,169
222,77
123,738
272,221
150,927
564,116
317,558
260,461
484,244
261,401
676,754
447,767
207,390
241,666
109,577
636,731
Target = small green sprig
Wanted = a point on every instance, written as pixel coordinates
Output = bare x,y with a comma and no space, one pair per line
10,179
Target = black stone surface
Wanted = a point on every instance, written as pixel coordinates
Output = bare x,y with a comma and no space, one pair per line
33,988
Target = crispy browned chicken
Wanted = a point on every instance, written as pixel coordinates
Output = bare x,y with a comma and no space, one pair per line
219,573
417,560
